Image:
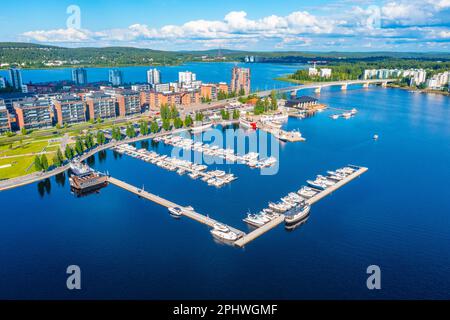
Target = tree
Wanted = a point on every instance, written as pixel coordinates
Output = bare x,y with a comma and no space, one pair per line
79,148
188,120
56,161
259,107
199,116
58,126
165,111
69,152
131,133
101,139
44,162
166,124
173,112
59,156
24,131
266,104
242,92
273,100
225,114
177,123
154,127
89,141
236,114
37,163
144,127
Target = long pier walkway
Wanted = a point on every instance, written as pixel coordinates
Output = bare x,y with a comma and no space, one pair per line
272,224
206,220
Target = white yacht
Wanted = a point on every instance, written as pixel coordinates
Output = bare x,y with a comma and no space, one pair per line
318,184
175,211
297,214
194,175
277,207
226,236
256,220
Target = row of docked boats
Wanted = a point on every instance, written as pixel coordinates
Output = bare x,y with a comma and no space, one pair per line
323,182
294,206
217,178
224,232
251,159
219,230
345,115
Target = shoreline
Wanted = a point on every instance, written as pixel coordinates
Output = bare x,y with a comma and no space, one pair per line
422,91
117,66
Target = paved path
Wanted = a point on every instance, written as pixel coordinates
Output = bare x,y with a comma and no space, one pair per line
37,176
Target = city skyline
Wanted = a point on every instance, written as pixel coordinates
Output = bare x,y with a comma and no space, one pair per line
351,25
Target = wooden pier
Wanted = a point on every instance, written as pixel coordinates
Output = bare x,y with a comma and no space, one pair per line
206,220
259,231
168,204
329,190
323,193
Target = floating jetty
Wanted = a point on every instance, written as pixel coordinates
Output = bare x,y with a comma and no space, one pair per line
335,182
280,134
251,159
275,216
217,178
188,212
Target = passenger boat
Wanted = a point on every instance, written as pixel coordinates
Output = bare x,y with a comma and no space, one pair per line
297,214
85,179
247,123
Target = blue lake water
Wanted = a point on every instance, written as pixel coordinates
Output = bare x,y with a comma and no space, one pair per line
395,216
262,73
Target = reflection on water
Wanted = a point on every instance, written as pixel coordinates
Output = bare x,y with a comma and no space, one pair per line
60,179
44,187
90,161
102,156
79,193
145,144
292,227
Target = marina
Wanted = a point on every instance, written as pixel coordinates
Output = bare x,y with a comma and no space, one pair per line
184,211
295,207
217,178
251,159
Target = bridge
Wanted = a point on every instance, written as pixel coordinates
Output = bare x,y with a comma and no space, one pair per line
319,85
216,105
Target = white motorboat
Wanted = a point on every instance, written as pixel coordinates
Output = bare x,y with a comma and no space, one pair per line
175,211
297,214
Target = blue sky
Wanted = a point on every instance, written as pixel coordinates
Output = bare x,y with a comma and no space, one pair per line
324,25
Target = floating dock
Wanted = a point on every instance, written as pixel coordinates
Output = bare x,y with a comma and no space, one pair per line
320,195
329,190
243,237
259,231
168,204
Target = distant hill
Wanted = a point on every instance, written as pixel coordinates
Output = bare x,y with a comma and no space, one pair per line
30,55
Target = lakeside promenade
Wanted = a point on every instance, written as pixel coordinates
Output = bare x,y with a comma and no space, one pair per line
38,176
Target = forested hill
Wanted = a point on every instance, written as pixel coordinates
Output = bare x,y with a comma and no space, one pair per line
29,55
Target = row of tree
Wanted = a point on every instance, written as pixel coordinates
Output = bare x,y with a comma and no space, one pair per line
266,104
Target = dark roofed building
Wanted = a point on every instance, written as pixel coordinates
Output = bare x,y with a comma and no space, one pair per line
302,102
